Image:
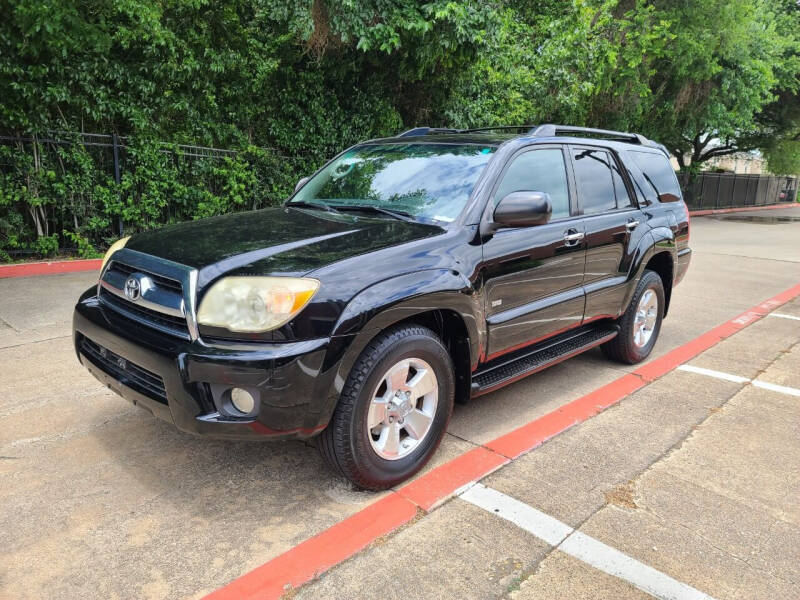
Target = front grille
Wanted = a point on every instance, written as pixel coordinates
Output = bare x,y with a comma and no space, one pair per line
127,373
158,307
160,280
170,323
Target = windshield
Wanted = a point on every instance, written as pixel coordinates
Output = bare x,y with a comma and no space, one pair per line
426,181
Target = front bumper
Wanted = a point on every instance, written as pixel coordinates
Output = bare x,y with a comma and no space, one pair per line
178,380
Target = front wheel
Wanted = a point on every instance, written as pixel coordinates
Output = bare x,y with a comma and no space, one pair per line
641,322
393,410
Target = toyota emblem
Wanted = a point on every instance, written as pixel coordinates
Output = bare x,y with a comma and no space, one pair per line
133,289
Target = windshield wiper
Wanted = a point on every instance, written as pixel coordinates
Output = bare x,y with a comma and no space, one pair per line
317,205
397,214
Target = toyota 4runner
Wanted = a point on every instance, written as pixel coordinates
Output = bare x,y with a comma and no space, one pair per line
406,274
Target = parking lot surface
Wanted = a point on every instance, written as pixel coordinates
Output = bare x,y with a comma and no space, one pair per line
690,483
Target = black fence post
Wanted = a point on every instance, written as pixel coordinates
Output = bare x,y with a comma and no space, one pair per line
117,178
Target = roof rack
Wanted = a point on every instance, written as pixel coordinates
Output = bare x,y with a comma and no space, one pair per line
543,131
498,128
550,130
428,130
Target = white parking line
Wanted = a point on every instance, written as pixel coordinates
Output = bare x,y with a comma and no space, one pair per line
581,546
781,389
783,316
773,387
712,373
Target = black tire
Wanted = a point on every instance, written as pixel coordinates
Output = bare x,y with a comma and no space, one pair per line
345,442
623,348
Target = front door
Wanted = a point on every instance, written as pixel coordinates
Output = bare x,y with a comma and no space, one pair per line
614,226
533,275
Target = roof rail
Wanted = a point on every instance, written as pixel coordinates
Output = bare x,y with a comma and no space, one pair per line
426,130
498,128
550,130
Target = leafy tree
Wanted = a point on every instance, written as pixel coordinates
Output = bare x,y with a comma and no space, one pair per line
271,79
700,90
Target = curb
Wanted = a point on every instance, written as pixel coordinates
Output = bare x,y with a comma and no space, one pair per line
49,268
318,554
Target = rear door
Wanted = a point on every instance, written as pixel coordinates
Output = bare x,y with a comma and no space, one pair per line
533,275
614,226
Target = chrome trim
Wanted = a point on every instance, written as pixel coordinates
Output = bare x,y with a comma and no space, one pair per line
189,303
186,276
151,298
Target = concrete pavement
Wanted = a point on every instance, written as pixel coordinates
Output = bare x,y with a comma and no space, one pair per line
100,500
693,476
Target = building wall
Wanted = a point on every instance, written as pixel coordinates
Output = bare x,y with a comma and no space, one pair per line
744,162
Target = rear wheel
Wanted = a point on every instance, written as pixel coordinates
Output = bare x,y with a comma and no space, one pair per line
393,410
641,322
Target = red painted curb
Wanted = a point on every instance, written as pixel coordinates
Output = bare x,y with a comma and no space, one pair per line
719,211
318,554
49,268
440,483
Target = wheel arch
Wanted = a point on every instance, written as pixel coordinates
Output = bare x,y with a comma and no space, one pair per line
441,299
663,263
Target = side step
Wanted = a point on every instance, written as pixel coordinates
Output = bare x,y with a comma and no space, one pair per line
505,370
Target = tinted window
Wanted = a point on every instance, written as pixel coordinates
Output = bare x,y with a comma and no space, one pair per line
658,174
595,184
538,171
429,181
623,199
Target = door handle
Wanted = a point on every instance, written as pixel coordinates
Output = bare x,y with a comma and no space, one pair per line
631,225
572,237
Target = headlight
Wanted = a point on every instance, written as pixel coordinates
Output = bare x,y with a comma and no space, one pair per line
118,245
255,304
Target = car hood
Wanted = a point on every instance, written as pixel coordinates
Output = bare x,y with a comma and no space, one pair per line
274,241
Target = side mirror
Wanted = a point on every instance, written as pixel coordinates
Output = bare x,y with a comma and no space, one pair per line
523,209
301,183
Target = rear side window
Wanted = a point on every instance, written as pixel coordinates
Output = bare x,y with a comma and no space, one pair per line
658,174
538,171
595,182
623,198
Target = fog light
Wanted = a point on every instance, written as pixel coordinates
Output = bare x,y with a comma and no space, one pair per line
242,400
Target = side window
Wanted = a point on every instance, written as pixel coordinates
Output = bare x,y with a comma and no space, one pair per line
623,199
658,174
595,183
538,171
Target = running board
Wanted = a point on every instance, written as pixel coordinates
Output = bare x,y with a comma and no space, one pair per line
502,371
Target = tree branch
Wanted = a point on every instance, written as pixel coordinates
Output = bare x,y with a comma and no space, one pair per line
721,151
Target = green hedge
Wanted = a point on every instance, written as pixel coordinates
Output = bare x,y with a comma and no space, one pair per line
63,198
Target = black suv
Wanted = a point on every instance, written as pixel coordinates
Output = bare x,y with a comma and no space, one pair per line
406,274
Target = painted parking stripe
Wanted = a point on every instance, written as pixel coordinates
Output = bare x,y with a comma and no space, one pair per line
534,521
773,387
612,561
783,316
781,389
300,564
715,374
581,546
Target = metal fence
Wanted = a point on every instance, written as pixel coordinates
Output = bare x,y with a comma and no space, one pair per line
729,190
